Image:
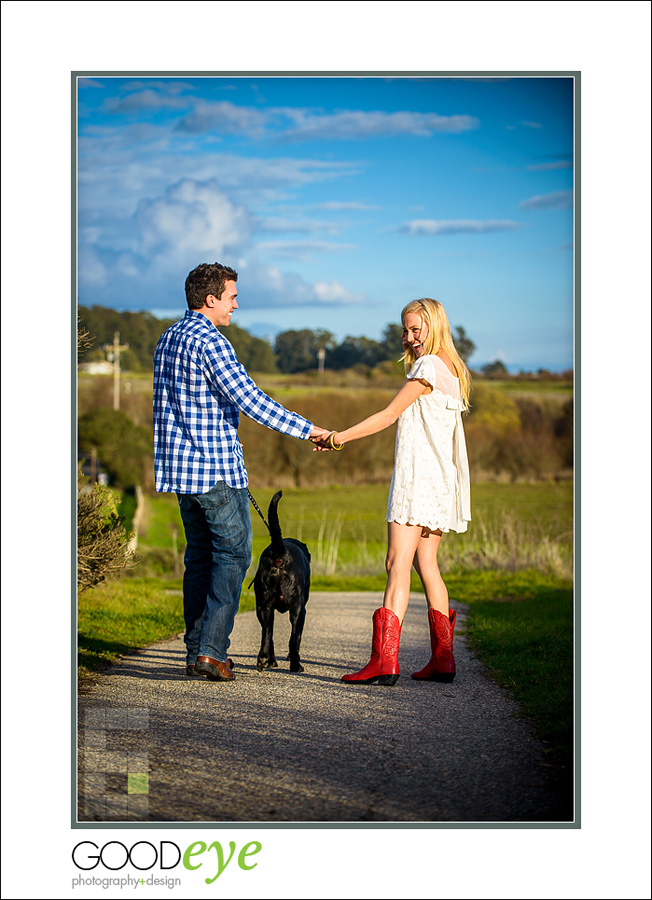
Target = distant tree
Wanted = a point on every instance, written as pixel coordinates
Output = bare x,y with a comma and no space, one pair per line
254,353
124,447
495,369
140,330
296,351
355,351
390,343
463,344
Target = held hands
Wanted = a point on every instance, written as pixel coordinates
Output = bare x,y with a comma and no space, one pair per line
324,440
319,437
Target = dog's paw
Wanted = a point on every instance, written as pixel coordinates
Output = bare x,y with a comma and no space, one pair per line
296,667
272,664
260,665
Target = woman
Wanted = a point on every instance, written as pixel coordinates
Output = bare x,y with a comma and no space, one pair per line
429,493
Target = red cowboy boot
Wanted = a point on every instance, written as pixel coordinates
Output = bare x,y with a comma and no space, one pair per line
441,666
383,665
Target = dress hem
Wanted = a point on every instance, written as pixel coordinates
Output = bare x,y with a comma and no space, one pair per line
442,528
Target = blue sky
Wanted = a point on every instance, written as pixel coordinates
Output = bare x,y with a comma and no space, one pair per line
338,200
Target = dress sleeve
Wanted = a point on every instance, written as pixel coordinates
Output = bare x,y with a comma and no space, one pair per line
423,370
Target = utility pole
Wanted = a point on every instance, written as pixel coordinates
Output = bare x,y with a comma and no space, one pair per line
113,351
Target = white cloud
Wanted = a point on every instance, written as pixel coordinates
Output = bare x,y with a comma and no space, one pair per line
460,226
192,216
191,222
144,100
265,286
224,116
556,200
357,125
117,165
333,292
296,123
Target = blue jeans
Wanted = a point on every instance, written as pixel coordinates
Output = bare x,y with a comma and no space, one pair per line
218,554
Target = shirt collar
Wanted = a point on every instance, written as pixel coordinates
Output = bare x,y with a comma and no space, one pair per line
198,317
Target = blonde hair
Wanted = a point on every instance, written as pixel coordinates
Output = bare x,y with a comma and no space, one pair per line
439,338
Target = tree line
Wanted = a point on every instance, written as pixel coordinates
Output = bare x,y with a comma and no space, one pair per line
293,350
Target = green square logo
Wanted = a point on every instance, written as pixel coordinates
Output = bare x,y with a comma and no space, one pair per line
137,783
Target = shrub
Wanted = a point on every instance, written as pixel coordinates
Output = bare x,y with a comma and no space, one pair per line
102,543
275,460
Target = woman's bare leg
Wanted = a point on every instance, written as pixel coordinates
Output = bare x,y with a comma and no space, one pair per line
402,541
425,562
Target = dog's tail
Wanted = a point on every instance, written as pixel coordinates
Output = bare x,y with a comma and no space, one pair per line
278,547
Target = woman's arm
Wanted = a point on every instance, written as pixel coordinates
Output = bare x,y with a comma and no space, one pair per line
411,390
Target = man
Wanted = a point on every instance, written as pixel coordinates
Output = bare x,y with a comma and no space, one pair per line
199,389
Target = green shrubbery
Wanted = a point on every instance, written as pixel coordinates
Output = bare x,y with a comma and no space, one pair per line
125,449
520,437
102,541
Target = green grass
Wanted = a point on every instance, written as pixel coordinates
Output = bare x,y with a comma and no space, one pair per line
127,509
521,628
515,527
526,386
123,615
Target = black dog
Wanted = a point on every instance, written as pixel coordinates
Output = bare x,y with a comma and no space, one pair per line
282,582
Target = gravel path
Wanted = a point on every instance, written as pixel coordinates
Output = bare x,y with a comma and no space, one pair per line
280,747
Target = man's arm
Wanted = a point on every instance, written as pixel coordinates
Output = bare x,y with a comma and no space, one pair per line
232,380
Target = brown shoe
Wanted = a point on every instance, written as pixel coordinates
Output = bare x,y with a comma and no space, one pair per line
213,669
191,671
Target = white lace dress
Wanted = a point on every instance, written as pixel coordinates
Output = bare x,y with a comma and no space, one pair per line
430,484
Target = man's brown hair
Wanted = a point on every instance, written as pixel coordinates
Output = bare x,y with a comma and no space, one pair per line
207,278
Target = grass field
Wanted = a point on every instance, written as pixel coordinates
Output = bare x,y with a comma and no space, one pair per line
515,526
387,377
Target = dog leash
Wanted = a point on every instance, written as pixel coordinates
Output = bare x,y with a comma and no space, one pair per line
257,508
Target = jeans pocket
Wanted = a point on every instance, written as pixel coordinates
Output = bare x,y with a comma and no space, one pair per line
215,498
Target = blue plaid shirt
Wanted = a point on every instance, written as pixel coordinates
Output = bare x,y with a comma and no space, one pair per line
199,388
